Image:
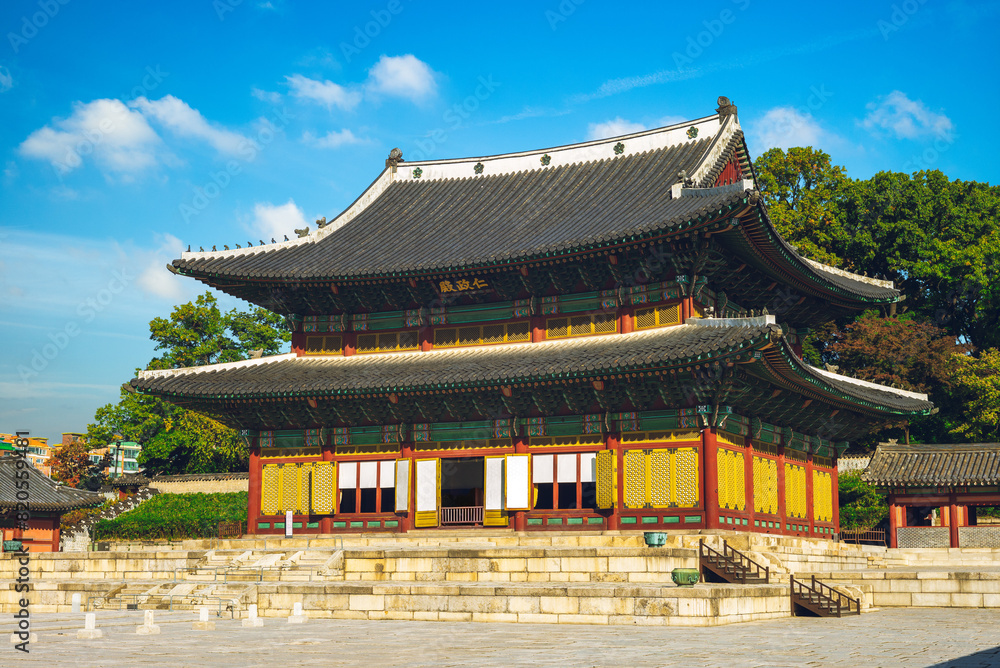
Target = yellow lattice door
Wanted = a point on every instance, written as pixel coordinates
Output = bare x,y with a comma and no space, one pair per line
322,487
305,488
822,496
607,478
659,479
635,479
739,487
289,488
795,490
723,473
765,485
270,490
686,478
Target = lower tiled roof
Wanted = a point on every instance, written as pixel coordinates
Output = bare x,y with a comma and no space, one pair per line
44,494
938,465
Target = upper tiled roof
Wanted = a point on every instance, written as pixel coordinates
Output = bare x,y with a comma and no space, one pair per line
516,208
44,494
937,465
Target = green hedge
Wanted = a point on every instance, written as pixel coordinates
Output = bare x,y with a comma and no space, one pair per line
175,516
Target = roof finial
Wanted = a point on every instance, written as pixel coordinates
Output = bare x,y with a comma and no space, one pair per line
395,157
304,232
321,222
726,108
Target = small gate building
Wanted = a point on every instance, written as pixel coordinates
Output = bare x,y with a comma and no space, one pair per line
598,336
934,491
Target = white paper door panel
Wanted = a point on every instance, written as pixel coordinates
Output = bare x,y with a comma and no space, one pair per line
427,480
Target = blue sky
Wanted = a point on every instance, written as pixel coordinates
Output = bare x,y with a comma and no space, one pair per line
130,130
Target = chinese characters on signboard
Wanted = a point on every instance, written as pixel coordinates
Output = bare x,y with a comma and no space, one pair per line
462,285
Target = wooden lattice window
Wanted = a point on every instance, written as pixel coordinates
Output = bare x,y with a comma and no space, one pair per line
581,325
324,345
388,341
476,335
658,316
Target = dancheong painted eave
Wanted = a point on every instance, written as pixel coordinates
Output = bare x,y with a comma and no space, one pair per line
424,218
701,342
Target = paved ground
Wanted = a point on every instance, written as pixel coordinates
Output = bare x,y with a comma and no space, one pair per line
911,637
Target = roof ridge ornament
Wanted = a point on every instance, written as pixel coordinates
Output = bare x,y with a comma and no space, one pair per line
395,157
726,107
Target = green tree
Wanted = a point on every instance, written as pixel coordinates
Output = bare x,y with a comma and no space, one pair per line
801,189
176,440
199,333
861,505
977,391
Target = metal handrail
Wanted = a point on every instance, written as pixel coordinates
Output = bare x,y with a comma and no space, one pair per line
856,536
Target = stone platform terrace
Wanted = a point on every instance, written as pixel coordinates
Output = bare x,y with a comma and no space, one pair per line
914,638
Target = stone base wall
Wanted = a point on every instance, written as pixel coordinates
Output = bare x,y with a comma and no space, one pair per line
932,589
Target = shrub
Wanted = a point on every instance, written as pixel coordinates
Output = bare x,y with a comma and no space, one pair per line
861,506
175,516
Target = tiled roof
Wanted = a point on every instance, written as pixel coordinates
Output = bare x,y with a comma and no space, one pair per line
424,225
938,465
44,494
564,358
129,480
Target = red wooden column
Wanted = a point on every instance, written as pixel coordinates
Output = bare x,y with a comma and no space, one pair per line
326,523
614,519
748,482
954,523
350,341
253,488
625,324
406,452
810,510
710,465
782,516
537,329
835,495
521,448
55,534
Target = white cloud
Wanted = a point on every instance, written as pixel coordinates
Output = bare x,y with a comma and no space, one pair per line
402,76
276,220
613,128
332,139
266,95
326,93
785,127
905,118
6,80
119,139
619,126
181,119
156,279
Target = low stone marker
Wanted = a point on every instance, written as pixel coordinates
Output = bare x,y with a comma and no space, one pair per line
90,630
148,628
76,602
203,624
252,619
297,617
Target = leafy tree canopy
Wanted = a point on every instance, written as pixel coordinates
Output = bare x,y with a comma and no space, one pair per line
175,440
71,465
861,506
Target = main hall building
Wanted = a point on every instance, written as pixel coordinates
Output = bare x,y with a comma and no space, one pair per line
601,336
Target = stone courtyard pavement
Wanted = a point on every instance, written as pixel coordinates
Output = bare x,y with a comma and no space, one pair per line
898,637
